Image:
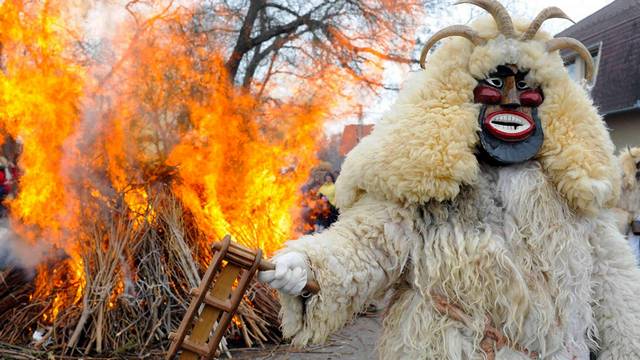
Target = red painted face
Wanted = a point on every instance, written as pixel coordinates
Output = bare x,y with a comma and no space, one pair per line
509,102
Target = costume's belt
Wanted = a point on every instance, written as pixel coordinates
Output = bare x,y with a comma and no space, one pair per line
493,339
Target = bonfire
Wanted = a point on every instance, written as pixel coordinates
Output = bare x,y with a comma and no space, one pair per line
135,157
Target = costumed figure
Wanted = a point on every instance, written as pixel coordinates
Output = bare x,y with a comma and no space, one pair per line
482,202
628,209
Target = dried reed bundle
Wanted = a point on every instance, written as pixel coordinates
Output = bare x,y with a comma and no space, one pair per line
139,269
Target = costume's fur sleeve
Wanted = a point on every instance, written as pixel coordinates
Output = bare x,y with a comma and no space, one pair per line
616,285
354,261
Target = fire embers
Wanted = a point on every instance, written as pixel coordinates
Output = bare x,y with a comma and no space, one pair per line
510,129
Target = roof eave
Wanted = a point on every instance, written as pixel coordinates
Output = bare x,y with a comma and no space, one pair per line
635,106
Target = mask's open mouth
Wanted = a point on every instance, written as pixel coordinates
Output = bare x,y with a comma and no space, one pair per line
509,125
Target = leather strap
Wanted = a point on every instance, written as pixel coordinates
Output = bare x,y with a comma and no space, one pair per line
493,339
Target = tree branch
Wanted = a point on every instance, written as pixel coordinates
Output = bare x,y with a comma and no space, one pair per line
243,43
258,57
334,34
280,30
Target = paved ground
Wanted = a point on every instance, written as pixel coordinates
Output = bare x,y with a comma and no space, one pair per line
354,342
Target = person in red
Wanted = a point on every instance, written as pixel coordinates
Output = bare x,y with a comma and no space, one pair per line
8,175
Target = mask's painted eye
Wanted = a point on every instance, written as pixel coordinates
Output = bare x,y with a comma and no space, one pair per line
495,82
522,85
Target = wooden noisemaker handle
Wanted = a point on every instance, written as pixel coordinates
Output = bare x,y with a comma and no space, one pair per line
312,286
245,255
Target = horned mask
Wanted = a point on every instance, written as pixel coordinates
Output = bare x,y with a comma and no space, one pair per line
496,91
511,130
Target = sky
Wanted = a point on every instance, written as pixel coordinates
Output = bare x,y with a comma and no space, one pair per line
106,15
462,14
576,9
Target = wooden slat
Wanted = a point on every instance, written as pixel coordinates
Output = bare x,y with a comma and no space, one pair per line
243,283
217,300
209,315
239,261
199,349
238,249
193,308
216,303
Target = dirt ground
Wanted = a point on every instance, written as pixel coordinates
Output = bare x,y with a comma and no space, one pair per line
355,342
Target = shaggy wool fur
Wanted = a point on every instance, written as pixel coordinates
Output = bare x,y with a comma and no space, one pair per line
629,204
532,245
630,199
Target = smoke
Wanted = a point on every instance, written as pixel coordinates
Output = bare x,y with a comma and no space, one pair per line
16,252
97,22
103,18
105,31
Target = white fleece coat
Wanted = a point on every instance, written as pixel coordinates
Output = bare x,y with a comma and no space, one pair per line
533,245
629,204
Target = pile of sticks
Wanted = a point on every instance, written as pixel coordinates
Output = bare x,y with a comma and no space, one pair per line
138,277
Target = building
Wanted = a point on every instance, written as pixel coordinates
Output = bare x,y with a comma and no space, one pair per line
612,35
351,136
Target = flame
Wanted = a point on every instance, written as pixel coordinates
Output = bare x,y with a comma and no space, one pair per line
117,291
240,162
63,284
38,104
40,90
164,111
238,180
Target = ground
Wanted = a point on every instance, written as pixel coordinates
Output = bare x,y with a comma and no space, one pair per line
355,342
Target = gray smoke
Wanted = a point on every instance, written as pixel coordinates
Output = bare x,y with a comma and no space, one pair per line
17,252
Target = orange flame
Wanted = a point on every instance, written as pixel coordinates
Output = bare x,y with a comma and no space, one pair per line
39,99
235,178
165,110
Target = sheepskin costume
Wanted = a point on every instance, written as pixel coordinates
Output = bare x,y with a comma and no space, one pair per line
531,248
628,208
630,163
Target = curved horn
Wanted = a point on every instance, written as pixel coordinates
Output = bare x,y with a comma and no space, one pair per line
499,13
544,15
455,30
578,47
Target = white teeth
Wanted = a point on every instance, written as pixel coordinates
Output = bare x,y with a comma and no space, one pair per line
509,123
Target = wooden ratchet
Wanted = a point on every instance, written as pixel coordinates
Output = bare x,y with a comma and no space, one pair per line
244,256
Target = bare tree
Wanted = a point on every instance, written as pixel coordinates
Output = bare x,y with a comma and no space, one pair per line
268,38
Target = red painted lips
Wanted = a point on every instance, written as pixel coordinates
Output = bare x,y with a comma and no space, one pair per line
509,125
